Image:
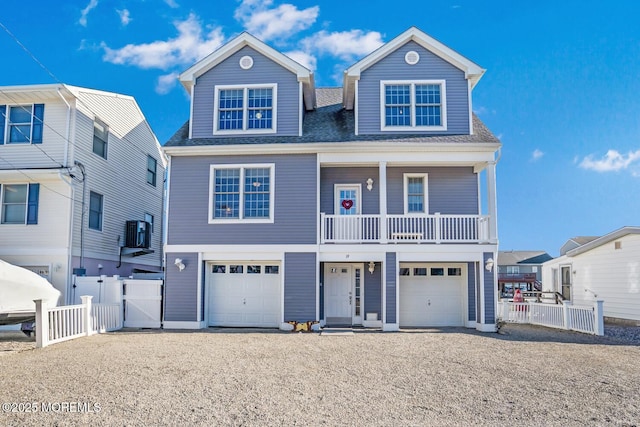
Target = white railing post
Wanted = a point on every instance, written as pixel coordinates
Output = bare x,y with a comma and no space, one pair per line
86,302
437,221
42,323
505,311
566,315
598,321
322,226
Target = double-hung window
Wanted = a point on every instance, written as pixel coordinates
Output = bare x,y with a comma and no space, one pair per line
19,203
415,194
96,211
100,138
21,124
249,108
152,170
241,193
413,105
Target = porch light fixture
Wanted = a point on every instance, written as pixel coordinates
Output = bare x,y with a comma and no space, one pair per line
370,184
178,262
488,265
372,267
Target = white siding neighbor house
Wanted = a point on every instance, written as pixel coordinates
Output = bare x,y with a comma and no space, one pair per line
605,268
76,165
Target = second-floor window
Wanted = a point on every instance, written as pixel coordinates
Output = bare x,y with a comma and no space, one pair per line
19,203
415,193
243,193
96,210
513,269
21,124
251,108
152,166
100,138
413,105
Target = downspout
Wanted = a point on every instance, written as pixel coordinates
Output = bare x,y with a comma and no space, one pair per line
66,164
84,184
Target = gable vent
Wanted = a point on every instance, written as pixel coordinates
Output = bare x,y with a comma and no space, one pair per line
246,62
412,57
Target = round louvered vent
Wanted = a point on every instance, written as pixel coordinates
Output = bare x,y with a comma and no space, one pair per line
412,57
246,62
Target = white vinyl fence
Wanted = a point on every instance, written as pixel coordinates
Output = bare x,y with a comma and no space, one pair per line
58,324
562,316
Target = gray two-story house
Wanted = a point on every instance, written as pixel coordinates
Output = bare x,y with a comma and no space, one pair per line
358,205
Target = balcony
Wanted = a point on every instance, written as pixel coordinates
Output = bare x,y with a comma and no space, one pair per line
436,228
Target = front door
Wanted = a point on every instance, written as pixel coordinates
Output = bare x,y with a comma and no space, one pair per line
347,208
338,294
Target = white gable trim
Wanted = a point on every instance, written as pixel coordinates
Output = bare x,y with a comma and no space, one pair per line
472,71
614,235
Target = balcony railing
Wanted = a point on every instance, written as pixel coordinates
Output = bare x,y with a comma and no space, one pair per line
436,228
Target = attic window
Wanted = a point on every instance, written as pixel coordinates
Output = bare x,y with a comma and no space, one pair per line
617,245
250,108
412,57
413,105
246,62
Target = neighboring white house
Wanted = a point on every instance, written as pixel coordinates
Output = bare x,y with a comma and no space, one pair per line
606,268
75,165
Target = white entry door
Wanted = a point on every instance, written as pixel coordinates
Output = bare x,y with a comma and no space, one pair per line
338,292
348,226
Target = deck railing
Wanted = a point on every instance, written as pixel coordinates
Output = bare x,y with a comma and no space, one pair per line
436,228
585,319
58,324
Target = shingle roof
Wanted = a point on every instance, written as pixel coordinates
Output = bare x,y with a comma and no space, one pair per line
330,123
522,257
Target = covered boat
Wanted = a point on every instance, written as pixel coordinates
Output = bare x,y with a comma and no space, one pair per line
19,288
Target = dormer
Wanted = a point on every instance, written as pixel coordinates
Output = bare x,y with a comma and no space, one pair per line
247,88
412,85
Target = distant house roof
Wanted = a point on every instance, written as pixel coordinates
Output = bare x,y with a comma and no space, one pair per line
331,123
522,257
575,242
599,241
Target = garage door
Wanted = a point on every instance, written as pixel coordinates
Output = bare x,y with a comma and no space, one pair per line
244,294
432,294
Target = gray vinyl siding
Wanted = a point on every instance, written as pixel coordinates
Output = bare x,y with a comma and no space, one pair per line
331,176
390,287
181,289
451,190
372,291
300,287
489,291
430,66
228,72
295,204
471,291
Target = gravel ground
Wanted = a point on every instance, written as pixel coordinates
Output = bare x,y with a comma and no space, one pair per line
524,375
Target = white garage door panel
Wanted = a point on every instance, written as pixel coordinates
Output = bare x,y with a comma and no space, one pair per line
243,299
431,300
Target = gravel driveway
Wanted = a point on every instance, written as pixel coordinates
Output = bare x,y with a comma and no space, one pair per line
525,375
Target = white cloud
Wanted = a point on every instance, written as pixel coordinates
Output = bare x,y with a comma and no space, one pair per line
536,155
612,161
303,58
83,14
267,23
188,47
172,4
125,16
166,83
346,44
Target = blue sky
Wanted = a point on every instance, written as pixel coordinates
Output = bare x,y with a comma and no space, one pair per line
560,91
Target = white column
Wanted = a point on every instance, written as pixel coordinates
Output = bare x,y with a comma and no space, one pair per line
382,187
42,323
598,322
86,302
492,202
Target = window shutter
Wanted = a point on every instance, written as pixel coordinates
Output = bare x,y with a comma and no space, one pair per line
32,208
38,119
3,119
